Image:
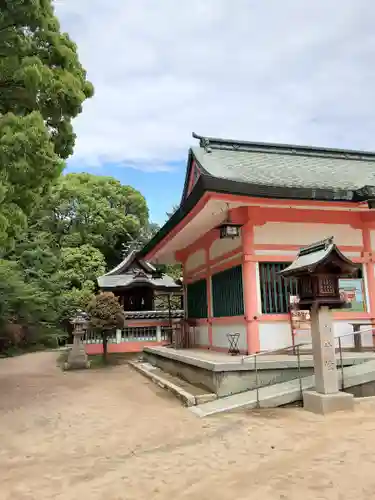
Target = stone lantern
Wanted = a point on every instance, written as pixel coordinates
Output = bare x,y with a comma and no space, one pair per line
318,269
77,357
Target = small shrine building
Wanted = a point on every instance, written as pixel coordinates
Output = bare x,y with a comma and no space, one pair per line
152,302
246,210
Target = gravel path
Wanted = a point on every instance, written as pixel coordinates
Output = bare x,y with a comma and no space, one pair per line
112,435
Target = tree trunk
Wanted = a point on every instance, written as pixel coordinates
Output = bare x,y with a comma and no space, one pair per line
105,341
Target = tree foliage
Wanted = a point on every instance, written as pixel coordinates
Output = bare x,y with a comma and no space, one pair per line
42,88
40,70
57,233
95,210
106,314
25,306
81,266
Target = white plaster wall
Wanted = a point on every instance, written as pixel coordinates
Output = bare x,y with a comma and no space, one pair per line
283,253
195,260
274,335
372,237
277,335
219,335
365,287
201,335
343,327
301,233
220,247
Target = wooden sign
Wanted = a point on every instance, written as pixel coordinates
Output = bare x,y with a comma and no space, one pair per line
300,321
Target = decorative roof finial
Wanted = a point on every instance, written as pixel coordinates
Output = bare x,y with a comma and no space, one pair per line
205,143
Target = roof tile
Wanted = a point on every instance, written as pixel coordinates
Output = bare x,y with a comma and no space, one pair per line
270,168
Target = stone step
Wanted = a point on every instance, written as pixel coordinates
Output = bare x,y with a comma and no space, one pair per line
268,397
189,394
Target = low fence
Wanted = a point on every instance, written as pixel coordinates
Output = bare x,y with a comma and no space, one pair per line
132,334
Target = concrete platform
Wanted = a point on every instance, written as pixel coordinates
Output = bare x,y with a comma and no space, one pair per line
286,392
225,375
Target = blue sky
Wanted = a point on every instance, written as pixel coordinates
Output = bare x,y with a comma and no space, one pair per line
162,190
270,70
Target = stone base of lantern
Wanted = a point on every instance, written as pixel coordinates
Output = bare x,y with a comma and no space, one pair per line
77,359
327,403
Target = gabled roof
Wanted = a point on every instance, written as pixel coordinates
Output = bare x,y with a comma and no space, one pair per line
278,171
127,263
317,254
134,271
284,165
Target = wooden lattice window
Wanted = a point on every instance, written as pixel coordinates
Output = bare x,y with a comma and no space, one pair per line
275,290
227,293
197,299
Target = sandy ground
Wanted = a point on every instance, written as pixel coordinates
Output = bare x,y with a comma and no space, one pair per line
111,434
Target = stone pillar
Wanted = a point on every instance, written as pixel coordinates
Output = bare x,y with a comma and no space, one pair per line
158,333
77,357
118,336
326,398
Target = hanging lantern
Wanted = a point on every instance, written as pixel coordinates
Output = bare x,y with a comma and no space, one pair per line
228,229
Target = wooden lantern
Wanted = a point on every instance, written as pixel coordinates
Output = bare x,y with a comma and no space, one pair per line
318,269
229,229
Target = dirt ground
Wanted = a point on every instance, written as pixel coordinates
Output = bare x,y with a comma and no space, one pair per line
112,435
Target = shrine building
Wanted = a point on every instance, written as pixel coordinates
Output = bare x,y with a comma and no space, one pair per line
152,303
246,210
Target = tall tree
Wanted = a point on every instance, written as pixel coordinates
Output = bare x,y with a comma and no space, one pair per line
95,210
42,88
40,70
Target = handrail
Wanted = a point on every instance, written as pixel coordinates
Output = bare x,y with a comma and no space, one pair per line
298,354
294,346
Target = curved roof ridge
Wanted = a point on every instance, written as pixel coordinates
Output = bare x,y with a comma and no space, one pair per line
207,143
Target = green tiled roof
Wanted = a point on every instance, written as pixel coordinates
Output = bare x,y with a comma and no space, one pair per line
280,165
278,171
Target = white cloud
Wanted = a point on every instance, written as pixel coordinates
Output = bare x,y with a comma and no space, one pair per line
268,70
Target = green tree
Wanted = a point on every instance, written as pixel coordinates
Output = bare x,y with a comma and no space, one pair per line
81,266
106,314
144,236
75,280
95,210
40,70
28,166
25,305
42,88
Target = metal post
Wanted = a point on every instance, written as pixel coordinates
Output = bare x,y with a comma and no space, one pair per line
299,370
170,318
341,366
256,379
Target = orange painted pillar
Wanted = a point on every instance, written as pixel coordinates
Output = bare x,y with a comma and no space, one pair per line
370,274
249,278
209,295
184,287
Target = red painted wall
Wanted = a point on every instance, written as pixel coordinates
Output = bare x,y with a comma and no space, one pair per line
92,349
